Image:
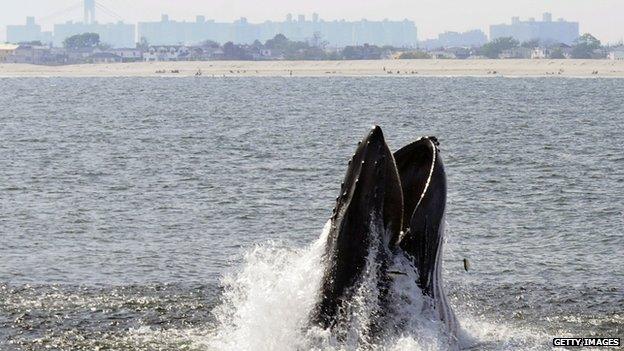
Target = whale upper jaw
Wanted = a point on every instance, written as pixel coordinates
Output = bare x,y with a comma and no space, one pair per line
390,203
367,216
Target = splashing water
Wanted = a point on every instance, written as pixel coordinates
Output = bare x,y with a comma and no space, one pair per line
266,305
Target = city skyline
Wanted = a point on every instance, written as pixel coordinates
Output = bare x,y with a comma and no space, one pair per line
600,18
168,31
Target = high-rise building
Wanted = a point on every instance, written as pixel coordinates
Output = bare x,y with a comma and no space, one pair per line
27,32
546,30
170,32
336,33
118,35
471,38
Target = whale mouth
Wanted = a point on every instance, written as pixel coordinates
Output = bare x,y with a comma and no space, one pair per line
416,164
389,205
431,168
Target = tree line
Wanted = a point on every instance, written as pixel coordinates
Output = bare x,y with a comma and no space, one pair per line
280,47
315,49
583,47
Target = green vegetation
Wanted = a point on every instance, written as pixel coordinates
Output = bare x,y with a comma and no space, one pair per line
363,52
413,55
33,43
232,51
295,50
557,54
585,46
210,44
494,48
280,47
81,41
531,44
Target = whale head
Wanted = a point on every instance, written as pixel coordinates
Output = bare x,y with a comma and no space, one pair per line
367,216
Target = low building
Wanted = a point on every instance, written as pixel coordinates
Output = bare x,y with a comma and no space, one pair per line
79,55
262,54
30,54
477,57
617,54
7,50
166,53
516,53
540,53
600,54
104,57
128,54
216,54
442,55
33,54
461,53
559,51
58,56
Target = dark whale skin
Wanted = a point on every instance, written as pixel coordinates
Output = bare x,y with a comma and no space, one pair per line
393,204
368,212
423,181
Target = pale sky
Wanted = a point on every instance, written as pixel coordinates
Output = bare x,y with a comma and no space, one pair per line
603,18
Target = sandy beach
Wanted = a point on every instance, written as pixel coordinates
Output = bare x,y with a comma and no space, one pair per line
459,68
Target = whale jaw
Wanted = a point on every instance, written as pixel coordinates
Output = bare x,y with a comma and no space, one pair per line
423,181
366,219
388,205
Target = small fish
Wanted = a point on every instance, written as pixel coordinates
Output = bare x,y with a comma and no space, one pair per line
466,264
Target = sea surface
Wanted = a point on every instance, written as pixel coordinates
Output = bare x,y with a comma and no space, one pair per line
185,214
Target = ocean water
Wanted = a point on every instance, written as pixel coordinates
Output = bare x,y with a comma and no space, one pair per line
187,214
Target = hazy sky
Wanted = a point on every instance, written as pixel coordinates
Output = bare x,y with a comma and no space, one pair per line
603,18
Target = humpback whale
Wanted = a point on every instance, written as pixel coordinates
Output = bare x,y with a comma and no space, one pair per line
389,204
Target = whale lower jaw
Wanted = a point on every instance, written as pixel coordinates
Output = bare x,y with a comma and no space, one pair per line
389,205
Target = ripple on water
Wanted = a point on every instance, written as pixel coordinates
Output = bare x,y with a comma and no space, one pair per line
122,209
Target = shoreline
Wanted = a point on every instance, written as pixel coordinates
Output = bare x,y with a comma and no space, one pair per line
370,68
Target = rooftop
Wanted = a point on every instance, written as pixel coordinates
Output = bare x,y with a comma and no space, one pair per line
8,46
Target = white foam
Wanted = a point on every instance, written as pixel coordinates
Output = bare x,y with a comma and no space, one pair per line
268,300
267,303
